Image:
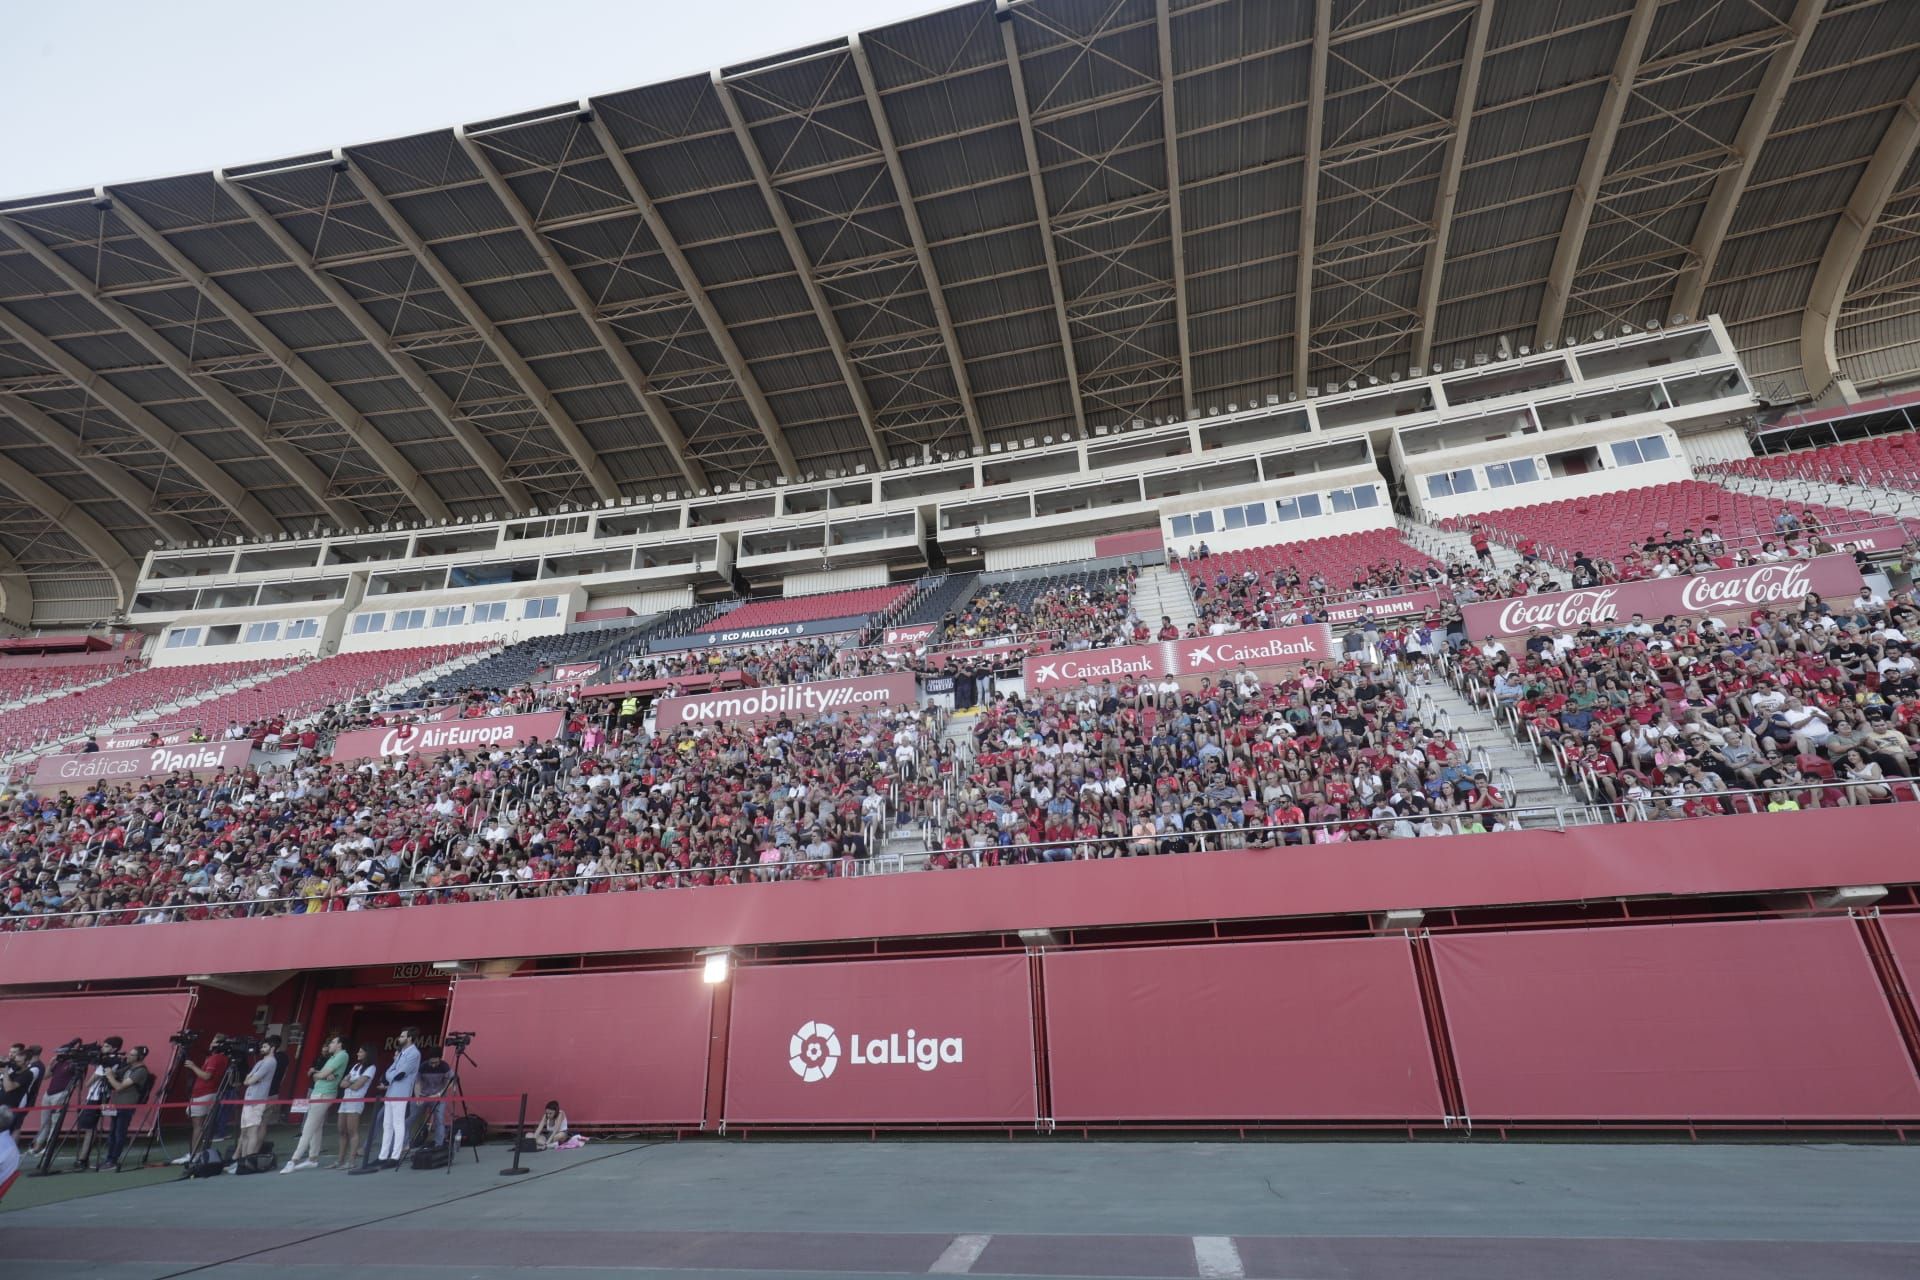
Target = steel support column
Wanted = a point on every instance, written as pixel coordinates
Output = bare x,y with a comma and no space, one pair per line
182,453
1447,194
1310,197
362,432
74,521
438,403
1176,227
1593,169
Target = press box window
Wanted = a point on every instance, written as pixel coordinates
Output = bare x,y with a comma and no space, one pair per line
451,616
366,623
183,637
1519,471
303,628
1645,449
409,619
544,607
1300,508
261,632
1445,484
496,611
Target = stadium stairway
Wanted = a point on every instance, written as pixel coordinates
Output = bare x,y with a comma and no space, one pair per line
1864,497
1444,546
1159,592
1521,777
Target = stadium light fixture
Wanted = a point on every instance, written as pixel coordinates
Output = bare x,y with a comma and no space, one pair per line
1853,897
1406,919
715,965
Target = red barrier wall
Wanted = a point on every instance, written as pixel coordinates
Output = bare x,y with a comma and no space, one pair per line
800,1033
51,1021
613,1048
1749,1020
1817,849
1326,1029
1903,937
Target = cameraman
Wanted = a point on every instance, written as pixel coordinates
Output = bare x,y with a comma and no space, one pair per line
253,1116
129,1082
60,1081
208,1077
93,1096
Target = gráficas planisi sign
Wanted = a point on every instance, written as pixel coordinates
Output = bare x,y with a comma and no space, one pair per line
1766,586
435,737
54,773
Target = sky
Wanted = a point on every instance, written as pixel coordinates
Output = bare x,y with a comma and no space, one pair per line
119,90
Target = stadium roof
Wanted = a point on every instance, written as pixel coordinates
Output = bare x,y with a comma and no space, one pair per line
961,228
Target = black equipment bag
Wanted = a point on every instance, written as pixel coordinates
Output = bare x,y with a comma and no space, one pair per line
472,1130
206,1164
260,1161
432,1157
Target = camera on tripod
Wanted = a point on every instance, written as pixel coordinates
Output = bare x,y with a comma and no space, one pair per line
184,1039
237,1047
456,1039
89,1054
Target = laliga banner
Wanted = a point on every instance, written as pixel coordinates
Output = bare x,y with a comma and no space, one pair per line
1202,655
802,701
891,1041
447,735
55,772
1764,586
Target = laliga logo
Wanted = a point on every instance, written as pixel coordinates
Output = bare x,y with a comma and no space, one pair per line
814,1051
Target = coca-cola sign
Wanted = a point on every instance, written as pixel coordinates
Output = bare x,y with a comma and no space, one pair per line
1283,646
1124,664
1766,586
57,772
433,738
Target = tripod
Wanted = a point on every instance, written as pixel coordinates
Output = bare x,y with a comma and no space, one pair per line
160,1112
460,1056
51,1148
217,1108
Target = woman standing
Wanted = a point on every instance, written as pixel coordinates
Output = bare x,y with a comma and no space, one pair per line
353,1096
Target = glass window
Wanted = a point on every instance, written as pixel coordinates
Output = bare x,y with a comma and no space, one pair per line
1653,448
1286,509
1183,526
1256,513
1342,499
1309,504
1519,471
1203,522
1463,482
183,637
1236,518
544,607
260,632
364,623
492,611
409,619
450,616
1366,496
1626,452
303,628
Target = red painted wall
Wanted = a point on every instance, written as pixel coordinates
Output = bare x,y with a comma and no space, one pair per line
801,1044
51,1021
1742,1020
1815,849
1903,936
1320,1029
628,1048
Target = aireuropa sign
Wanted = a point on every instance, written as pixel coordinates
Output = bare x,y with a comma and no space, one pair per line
1782,585
436,737
1198,656
57,772
800,701
772,632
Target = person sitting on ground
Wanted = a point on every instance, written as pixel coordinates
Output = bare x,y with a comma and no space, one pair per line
551,1132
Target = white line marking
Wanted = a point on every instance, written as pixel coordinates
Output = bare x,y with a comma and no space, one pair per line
1217,1258
960,1256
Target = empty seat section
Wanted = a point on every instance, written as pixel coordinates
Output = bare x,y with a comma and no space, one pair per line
1613,524
60,721
1890,462
1345,562
831,604
313,688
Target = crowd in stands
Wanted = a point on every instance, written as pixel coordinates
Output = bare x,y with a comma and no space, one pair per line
1080,611
1664,718
1251,761
604,810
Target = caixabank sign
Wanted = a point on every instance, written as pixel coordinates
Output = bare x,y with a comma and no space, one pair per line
913,1041
1198,656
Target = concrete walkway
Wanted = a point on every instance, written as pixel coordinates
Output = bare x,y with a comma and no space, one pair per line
1282,1211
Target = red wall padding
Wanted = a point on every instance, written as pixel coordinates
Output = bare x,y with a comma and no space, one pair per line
612,1048
1327,1029
51,1021
1750,1020
1903,936
984,1003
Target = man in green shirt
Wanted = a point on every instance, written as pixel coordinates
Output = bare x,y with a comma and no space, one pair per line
329,1070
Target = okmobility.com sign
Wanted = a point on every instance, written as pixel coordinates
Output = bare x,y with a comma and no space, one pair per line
1199,656
912,1041
798,701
